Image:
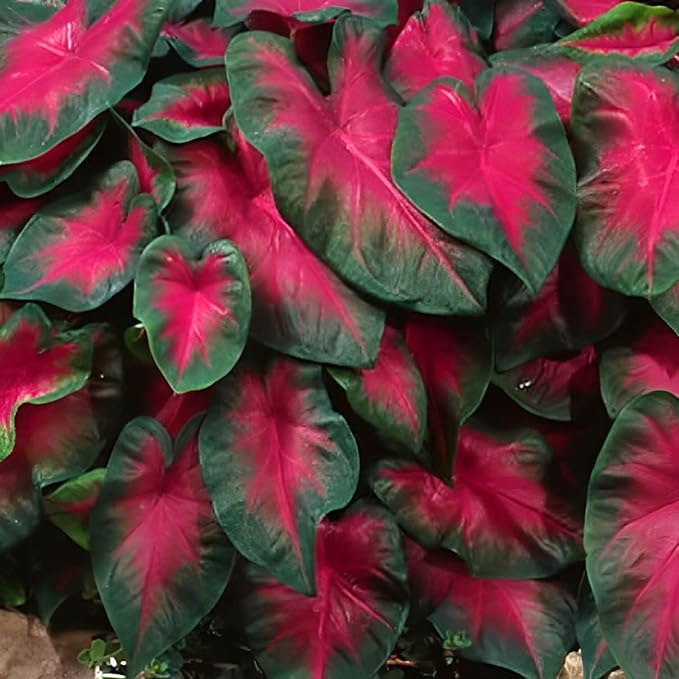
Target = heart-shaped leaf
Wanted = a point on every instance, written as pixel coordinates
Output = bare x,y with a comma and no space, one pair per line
39,365
329,160
198,43
390,395
196,312
186,106
501,512
276,458
504,183
78,252
522,23
299,306
627,143
436,42
581,12
631,536
58,74
350,625
160,559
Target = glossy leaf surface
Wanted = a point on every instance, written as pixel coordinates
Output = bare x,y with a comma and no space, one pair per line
276,458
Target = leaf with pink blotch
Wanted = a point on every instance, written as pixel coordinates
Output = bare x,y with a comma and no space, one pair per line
41,174
522,23
198,43
196,311
647,363
160,559
350,623
631,536
39,365
330,167
626,135
186,106
435,42
57,74
496,171
79,251
276,459
391,395
526,626
500,510
299,307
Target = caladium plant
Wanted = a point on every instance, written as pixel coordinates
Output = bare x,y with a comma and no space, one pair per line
338,338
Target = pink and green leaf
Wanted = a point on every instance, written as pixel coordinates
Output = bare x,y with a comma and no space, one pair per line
68,507
351,623
329,160
455,361
39,175
155,174
581,12
526,626
435,42
299,306
522,23
649,363
55,442
196,311
626,132
597,659
555,388
56,75
529,326
186,106
631,536
78,252
391,395
14,214
500,512
198,43
554,68
160,559
502,182
231,12
276,459
630,29
39,365
666,305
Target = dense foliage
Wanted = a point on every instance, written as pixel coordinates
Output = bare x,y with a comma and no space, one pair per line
340,338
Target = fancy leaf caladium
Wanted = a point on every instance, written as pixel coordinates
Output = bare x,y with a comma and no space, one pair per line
436,42
196,311
14,214
391,395
645,34
230,12
501,512
186,106
581,12
626,131
649,362
276,458
69,505
329,161
160,559
530,326
557,389
526,626
497,175
79,251
359,607
631,536
39,365
522,23
58,74
39,175
455,361
597,659
198,43
299,306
